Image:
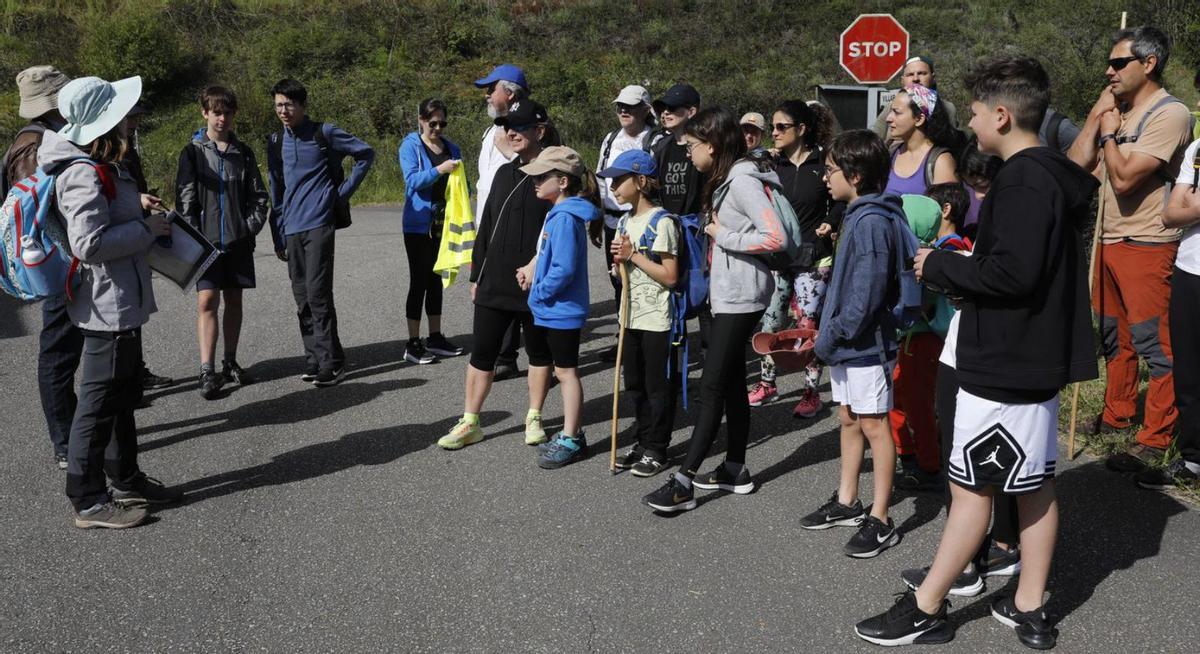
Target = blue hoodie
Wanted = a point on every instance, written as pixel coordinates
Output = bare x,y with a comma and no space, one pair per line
419,178
857,316
559,295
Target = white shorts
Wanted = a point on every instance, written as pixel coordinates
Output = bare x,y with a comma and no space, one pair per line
867,390
1013,447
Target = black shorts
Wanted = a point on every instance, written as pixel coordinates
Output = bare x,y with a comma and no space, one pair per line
233,268
562,344
490,327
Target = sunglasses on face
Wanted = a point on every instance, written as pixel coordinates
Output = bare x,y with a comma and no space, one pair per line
626,108
541,179
1121,62
750,129
520,128
783,127
438,124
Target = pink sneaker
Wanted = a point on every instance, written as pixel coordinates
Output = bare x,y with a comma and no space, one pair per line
762,393
809,405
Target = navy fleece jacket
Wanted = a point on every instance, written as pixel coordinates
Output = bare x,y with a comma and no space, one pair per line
558,298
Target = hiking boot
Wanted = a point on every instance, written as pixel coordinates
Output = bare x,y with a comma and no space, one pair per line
152,381
415,352
648,466
442,346
721,479
627,460
918,481
999,562
309,375
329,377
671,497
210,385
1177,473
534,433
1097,426
234,373
145,490
1136,459
1033,627
762,393
506,370
967,584
60,461
566,450
463,434
873,537
110,516
906,624
809,405
834,514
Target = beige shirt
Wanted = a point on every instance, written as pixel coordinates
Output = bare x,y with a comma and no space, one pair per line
649,301
1137,215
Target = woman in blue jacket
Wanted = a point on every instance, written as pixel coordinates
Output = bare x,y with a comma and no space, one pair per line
426,161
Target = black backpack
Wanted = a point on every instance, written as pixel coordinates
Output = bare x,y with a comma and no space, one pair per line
337,174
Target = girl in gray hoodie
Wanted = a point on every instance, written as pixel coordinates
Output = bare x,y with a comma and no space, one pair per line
741,224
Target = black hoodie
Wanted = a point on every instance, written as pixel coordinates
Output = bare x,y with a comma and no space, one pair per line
509,228
1026,327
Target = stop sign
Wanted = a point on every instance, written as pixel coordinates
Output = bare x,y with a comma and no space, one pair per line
874,48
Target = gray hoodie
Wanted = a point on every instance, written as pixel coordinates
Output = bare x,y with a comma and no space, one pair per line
739,280
110,239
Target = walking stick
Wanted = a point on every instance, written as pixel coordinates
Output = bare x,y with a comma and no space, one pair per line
624,308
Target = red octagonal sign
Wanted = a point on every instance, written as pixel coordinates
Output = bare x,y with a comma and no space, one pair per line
874,48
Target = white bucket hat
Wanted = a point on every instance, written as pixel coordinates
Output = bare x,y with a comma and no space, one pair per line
92,106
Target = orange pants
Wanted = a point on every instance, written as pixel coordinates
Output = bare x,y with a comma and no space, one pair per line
1132,293
914,425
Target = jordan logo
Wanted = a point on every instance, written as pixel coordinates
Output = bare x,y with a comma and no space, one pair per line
992,459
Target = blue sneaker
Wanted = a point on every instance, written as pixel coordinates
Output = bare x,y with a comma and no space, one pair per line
564,450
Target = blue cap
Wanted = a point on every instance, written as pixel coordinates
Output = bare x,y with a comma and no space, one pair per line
506,72
636,162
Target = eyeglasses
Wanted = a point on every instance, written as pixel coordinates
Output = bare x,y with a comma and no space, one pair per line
438,124
688,145
829,172
1121,62
783,127
623,108
285,105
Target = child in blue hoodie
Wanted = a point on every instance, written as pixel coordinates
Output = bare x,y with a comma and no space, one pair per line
557,281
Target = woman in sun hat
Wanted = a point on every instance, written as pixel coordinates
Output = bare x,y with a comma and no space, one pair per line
113,297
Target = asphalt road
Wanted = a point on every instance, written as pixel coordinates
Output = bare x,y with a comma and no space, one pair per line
327,520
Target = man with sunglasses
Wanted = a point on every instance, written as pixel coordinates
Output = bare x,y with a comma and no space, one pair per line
1134,134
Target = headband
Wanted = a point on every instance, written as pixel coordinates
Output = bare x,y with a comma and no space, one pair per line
925,98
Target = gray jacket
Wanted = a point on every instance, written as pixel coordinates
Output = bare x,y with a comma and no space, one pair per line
109,238
221,194
739,281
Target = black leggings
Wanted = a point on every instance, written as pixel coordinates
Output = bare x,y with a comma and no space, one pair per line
491,326
723,390
424,285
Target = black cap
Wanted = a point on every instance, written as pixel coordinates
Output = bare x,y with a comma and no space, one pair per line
522,113
680,95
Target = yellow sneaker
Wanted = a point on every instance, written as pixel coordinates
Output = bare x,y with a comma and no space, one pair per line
534,434
463,434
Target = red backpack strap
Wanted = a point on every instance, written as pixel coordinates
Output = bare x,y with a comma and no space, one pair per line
108,186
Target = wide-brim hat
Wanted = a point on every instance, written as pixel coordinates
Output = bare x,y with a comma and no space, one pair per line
791,349
92,106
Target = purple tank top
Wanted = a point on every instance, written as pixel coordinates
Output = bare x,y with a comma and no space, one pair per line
973,211
913,184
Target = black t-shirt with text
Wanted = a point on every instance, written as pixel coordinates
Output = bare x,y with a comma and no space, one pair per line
680,180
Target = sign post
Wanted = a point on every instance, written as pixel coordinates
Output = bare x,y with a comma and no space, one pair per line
873,48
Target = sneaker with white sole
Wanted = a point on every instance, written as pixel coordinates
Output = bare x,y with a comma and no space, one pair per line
762,393
873,537
535,433
809,405
671,497
110,515
967,584
906,624
415,352
834,514
463,434
442,346
1033,628
721,479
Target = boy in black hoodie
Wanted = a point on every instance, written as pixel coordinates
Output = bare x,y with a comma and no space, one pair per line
1025,333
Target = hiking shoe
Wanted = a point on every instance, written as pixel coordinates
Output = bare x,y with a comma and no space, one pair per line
110,515
809,405
834,514
906,624
152,381
566,450
648,466
329,377
1177,473
309,375
967,584
463,434
762,393
918,481
671,497
415,352
234,373
1136,459
210,385
873,537
442,346
534,433
627,460
60,461
999,562
1097,426
146,490
506,370
1033,627
721,479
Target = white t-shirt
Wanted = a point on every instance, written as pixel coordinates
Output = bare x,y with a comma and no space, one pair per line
948,356
490,160
1188,258
622,142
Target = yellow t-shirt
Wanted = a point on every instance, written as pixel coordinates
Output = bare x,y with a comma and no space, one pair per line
1137,215
649,301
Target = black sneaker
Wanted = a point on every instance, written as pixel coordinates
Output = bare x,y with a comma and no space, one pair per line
60,461
415,352
506,370
672,497
1177,473
1136,459
309,375
146,490
999,562
329,377
968,584
872,538
110,515
234,373
442,346
1033,627
906,624
648,466
631,457
834,514
152,381
721,479
210,385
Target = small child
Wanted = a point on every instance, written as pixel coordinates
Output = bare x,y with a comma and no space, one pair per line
1026,332
557,281
647,244
858,334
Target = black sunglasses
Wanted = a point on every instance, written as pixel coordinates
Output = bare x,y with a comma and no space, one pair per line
623,108
520,128
1122,62
439,124
783,127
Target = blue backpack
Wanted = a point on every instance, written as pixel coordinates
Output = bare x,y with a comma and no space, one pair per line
35,260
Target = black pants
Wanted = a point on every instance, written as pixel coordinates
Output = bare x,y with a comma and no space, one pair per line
491,328
424,285
59,351
650,386
1005,527
723,390
1185,345
310,267
103,433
